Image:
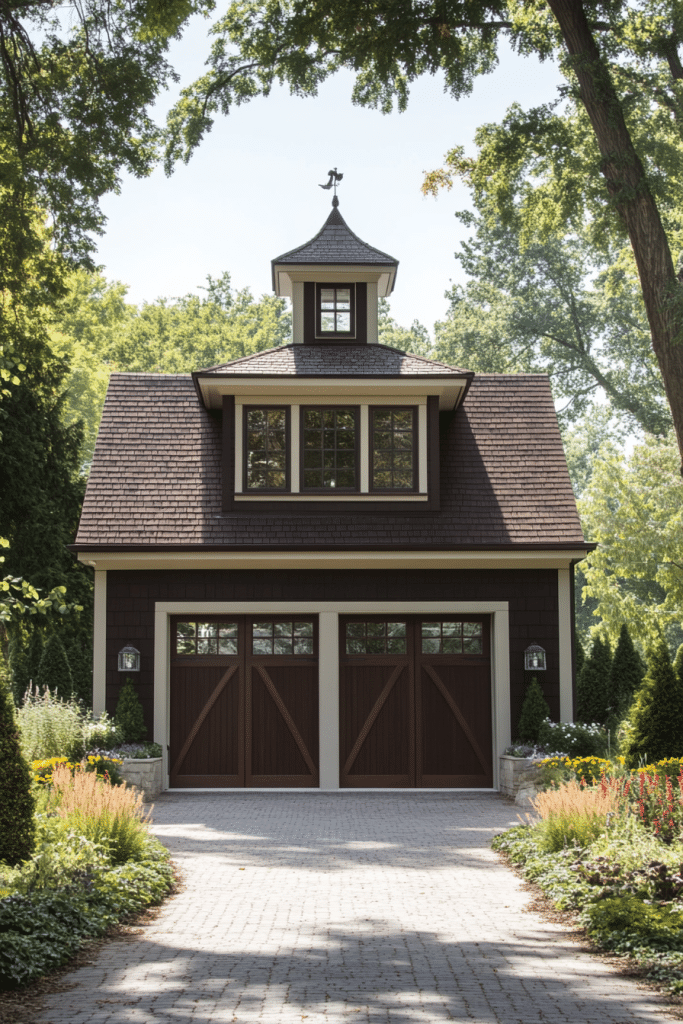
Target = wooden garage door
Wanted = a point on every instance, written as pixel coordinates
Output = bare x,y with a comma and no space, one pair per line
415,702
244,702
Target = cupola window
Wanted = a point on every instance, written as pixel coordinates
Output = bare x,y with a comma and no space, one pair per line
330,449
335,311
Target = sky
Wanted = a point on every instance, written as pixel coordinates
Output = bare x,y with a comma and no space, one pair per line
251,192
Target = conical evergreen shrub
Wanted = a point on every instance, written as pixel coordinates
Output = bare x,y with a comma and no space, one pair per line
579,656
592,684
129,716
656,715
79,653
34,654
625,676
17,806
18,666
54,673
534,711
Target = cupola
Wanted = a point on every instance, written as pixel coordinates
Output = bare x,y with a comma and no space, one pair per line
334,282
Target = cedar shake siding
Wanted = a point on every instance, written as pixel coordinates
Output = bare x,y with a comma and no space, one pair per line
156,478
532,595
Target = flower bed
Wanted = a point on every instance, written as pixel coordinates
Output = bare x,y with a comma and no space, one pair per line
95,864
607,843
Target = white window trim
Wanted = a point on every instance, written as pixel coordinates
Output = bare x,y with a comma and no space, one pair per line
295,493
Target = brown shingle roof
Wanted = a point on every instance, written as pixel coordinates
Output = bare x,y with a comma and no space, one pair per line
155,478
331,360
336,243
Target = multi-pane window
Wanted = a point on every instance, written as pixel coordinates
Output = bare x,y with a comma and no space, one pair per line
393,449
206,638
335,313
266,450
376,638
282,637
329,449
452,638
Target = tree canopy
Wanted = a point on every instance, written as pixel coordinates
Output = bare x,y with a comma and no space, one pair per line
606,151
558,307
633,506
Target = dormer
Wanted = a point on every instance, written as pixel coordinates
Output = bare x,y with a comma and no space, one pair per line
334,282
334,421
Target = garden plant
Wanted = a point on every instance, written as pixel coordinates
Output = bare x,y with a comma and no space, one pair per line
606,840
76,854
92,864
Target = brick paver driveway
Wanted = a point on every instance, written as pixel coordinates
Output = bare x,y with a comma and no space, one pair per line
351,907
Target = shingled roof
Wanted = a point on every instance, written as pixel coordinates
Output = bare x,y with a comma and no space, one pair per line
156,479
336,243
331,360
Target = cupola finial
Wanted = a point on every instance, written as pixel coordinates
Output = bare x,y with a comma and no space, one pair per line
335,178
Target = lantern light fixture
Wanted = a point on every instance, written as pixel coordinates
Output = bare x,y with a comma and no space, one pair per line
534,659
129,659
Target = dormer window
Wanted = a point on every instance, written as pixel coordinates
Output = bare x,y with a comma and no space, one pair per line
266,451
329,441
394,453
335,311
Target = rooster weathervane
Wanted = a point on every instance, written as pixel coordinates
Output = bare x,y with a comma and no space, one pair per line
335,178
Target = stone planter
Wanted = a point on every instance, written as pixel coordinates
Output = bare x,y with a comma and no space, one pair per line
145,773
518,778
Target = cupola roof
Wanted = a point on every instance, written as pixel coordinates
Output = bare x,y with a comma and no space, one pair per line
337,245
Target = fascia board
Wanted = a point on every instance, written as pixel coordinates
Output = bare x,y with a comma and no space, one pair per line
448,389
434,560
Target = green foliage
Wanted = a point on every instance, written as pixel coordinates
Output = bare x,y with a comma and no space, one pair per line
54,673
579,656
600,426
50,727
633,508
626,675
656,713
79,653
34,656
408,339
609,882
574,739
129,716
592,684
69,892
558,307
534,712
17,826
18,669
560,831
42,489
101,733
625,922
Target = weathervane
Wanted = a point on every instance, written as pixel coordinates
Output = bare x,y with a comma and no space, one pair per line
335,178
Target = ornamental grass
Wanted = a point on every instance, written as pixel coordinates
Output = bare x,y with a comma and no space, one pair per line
575,814
113,816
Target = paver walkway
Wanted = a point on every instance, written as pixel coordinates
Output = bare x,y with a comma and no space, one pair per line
345,908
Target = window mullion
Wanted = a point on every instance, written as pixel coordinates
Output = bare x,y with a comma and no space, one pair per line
364,449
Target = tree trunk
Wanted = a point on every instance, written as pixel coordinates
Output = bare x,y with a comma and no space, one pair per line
630,194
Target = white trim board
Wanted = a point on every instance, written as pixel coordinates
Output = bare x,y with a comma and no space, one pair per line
328,663
349,559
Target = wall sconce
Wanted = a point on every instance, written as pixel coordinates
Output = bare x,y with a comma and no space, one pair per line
534,659
129,659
